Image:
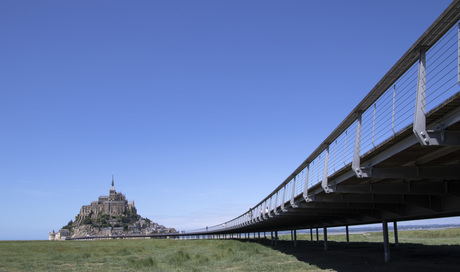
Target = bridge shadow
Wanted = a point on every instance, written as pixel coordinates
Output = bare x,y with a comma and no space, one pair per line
367,256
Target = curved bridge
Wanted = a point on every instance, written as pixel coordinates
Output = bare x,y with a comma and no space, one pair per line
395,157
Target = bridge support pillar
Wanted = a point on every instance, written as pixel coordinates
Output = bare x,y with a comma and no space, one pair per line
295,237
271,238
317,235
325,238
386,245
258,237
347,233
395,227
311,235
276,238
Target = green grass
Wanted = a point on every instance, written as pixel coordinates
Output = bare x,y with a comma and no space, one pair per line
145,255
181,255
425,237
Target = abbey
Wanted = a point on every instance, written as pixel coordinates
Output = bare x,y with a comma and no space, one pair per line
113,205
109,216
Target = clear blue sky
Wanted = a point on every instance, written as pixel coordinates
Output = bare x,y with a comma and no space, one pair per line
201,108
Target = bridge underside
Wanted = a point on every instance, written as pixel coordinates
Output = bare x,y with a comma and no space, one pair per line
406,181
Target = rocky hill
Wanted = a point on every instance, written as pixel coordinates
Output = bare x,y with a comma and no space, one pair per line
110,215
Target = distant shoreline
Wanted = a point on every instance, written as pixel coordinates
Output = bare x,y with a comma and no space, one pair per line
362,230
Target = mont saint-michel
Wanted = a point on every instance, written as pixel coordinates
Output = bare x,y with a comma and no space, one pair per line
109,216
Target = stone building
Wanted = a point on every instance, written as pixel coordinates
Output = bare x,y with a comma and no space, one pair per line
63,234
115,204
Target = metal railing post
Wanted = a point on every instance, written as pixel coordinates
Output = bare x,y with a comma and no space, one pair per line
305,190
271,207
276,202
324,180
282,204
356,164
293,193
420,102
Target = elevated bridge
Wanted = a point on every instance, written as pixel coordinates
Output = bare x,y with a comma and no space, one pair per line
395,157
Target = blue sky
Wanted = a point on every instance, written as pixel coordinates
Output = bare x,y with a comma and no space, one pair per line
200,108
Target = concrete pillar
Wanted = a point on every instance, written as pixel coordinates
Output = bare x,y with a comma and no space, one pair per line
395,227
271,240
295,237
386,245
348,237
317,235
311,235
325,238
258,237
276,237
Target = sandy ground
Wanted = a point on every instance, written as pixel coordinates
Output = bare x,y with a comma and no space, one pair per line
370,257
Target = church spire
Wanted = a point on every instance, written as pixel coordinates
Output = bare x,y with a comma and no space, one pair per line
113,187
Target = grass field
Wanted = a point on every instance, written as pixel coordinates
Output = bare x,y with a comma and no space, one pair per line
145,255
180,255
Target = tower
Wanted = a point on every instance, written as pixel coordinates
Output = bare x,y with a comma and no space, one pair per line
113,187
52,236
112,192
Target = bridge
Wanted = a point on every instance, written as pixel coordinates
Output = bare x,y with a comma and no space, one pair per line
395,157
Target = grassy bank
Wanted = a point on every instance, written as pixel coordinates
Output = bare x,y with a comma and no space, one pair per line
145,255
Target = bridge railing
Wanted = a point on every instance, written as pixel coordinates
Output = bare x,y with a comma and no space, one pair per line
385,111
